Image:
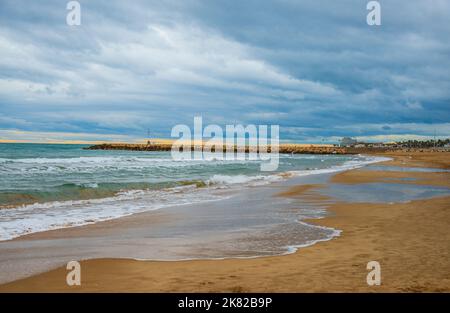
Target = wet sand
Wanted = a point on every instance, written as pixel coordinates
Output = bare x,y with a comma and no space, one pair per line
418,158
409,240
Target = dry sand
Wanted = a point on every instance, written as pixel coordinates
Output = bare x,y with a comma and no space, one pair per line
409,240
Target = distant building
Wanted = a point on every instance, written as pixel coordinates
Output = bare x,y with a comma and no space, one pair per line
377,145
348,142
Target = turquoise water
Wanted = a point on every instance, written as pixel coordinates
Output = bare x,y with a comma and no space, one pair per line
46,172
44,186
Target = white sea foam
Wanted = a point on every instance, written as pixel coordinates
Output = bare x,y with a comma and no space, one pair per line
332,234
39,217
115,160
243,179
92,164
265,179
348,165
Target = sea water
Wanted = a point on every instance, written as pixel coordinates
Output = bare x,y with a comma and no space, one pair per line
52,186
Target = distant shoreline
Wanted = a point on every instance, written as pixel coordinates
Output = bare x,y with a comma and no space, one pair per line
283,148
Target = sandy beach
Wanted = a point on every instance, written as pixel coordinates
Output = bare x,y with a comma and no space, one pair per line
408,239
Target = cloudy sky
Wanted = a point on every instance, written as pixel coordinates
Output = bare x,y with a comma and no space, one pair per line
313,67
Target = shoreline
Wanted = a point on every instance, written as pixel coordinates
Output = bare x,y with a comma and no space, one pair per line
257,179
208,275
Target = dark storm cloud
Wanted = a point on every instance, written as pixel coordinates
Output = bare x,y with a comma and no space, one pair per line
313,67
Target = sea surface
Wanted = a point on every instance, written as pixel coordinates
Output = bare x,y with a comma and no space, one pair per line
52,186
